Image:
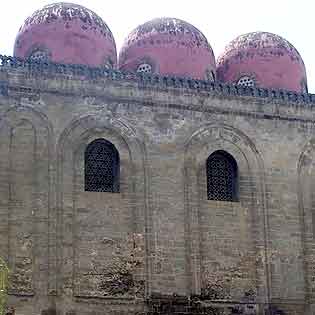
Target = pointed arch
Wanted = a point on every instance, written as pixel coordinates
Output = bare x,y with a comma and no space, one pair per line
27,169
120,216
205,217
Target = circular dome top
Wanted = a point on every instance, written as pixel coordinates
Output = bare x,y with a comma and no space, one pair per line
262,59
168,46
66,33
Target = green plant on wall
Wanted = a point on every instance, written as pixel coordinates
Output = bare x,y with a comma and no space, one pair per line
4,273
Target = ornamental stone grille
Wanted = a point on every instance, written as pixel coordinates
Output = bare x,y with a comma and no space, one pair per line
221,177
101,167
39,55
144,68
246,81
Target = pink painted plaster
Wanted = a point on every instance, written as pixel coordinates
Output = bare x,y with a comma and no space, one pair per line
171,46
69,33
268,58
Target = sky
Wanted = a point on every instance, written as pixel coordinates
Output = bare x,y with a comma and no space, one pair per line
221,20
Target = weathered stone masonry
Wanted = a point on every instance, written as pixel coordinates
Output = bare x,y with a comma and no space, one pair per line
158,246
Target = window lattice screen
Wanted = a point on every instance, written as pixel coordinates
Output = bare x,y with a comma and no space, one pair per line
246,81
222,178
101,166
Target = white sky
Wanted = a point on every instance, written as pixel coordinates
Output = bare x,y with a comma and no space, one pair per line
220,20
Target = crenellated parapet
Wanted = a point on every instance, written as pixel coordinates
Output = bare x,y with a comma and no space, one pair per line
154,81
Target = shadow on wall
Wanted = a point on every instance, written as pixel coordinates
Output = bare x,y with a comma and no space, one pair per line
50,311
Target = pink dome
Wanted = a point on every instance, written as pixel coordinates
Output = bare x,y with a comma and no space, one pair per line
168,46
66,33
264,60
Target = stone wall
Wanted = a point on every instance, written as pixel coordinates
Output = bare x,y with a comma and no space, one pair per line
159,245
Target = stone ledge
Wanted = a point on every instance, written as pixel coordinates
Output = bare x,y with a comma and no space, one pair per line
69,71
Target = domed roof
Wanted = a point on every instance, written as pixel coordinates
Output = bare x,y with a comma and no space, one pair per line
66,33
262,59
168,46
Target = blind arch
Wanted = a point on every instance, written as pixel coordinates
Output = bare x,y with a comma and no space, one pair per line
101,167
222,177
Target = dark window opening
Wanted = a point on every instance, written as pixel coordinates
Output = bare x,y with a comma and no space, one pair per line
222,177
101,167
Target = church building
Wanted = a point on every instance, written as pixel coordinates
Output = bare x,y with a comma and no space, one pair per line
156,180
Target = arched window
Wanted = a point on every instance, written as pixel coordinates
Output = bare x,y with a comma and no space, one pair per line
222,177
101,166
39,55
144,68
246,81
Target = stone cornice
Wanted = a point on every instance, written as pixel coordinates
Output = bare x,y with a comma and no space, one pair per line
23,78
90,73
